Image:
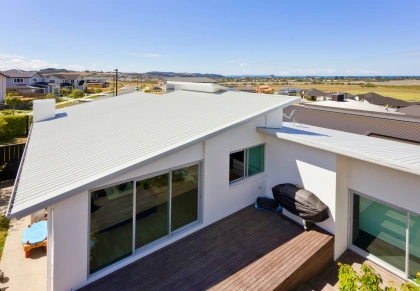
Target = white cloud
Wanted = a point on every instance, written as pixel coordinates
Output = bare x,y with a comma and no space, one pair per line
75,67
242,65
32,65
232,61
132,65
148,55
10,56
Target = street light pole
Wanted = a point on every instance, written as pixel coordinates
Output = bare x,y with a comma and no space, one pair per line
113,86
137,80
116,82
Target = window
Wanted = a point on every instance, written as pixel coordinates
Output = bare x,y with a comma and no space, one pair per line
72,81
34,80
18,80
381,230
246,163
52,81
164,205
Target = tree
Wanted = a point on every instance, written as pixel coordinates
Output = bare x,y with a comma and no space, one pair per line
12,101
77,93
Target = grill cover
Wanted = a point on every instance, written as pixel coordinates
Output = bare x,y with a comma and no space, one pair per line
300,202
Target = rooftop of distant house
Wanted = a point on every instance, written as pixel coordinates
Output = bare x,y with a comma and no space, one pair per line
192,79
19,73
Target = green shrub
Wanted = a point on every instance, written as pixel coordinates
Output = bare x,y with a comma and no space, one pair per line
77,94
13,125
368,280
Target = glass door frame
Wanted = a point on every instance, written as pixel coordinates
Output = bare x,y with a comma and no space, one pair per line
135,252
373,258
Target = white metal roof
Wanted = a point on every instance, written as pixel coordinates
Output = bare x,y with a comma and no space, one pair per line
397,155
87,144
352,105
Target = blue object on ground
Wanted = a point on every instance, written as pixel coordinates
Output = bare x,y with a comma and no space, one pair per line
36,233
265,203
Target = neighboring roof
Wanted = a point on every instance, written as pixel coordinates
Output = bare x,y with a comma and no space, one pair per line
377,99
363,125
81,82
352,105
401,156
192,79
66,76
19,73
313,92
290,89
90,143
413,110
66,85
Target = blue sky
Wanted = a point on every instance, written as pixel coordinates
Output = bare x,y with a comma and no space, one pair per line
340,37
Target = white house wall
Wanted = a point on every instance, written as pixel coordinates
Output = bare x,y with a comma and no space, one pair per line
2,88
314,169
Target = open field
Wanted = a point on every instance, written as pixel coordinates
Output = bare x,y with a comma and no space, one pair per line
405,92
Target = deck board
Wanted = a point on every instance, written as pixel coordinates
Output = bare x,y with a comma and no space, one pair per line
249,249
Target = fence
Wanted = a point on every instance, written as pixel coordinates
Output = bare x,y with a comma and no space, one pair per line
10,157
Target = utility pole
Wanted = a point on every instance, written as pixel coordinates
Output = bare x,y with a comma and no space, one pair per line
116,82
137,80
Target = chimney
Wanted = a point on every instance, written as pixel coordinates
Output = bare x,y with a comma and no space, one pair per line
44,109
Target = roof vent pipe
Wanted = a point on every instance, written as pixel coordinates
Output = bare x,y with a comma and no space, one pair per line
43,109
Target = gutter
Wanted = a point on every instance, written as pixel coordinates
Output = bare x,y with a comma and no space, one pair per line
13,195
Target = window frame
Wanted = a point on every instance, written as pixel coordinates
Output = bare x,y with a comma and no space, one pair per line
136,253
246,159
402,274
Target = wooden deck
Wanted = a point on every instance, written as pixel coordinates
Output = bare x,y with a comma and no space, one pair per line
248,250
328,279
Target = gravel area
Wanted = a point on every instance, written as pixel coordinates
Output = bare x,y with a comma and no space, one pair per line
5,192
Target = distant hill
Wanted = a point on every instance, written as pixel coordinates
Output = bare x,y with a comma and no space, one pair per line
173,74
53,70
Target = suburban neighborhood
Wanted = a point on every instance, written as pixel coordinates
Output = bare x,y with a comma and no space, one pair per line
198,146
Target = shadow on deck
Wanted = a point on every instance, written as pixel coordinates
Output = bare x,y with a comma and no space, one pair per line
247,250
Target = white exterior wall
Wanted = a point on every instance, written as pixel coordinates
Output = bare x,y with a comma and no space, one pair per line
2,87
314,169
218,199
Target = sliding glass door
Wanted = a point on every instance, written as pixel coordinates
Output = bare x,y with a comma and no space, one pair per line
184,197
381,230
152,209
132,215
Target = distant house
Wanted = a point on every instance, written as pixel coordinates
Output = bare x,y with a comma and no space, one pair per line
97,82
374,98
23,81
248,89
68,81
3,79
264,89
289,91
346,95
178,83
314,94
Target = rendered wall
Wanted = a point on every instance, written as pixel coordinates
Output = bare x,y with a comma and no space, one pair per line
2,87
219,199
314,169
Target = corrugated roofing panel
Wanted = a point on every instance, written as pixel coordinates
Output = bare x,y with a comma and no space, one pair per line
88,142
358,124
401,156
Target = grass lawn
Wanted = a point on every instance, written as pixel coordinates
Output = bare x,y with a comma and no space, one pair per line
12,140
69,103
4,226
